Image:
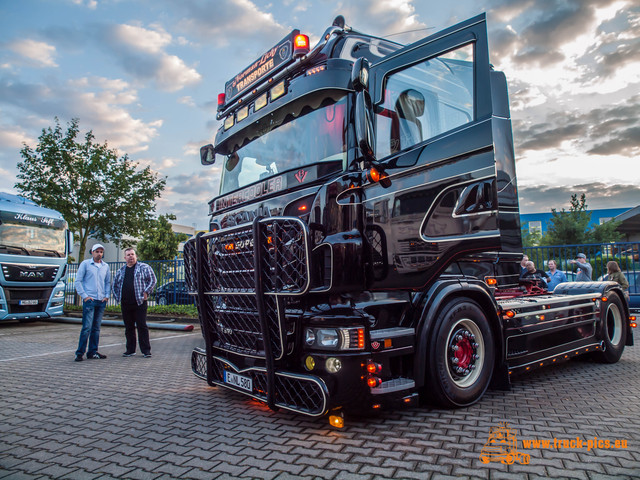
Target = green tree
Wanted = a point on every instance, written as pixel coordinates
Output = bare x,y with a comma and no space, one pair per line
605,232
159,242
530,239
568,228
96,191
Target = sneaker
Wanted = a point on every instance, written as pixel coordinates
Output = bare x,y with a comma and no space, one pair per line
147,355
127,354
96,356
78,358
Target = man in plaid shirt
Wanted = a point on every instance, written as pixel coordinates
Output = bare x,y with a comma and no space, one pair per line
132,285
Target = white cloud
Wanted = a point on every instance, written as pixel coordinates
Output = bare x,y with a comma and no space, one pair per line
102,105
37,53
13,137
172,74
142,53
193,148
229,21
91,4
187,100
143,39
384,17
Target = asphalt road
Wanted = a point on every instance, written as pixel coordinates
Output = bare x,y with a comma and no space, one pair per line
139,418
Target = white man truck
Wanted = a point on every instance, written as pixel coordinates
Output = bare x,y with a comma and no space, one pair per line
34,246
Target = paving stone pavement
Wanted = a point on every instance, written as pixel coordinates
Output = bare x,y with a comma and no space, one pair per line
138,418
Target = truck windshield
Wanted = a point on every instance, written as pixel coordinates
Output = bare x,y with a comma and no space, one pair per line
313,137
35,240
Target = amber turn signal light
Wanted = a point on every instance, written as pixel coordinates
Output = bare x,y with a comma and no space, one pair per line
376,176
336,421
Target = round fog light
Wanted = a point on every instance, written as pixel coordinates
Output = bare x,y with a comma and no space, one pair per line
309,363
333,365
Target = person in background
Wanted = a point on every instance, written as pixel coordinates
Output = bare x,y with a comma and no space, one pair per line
615,275
93,284
584,268
132,285
523,265
556,277
533,272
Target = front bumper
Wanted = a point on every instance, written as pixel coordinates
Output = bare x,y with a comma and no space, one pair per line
306,394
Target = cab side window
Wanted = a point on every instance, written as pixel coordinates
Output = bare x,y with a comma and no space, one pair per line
425,100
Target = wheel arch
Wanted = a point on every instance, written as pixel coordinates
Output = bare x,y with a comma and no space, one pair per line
435,300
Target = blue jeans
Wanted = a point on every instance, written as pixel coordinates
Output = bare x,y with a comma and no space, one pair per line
92,311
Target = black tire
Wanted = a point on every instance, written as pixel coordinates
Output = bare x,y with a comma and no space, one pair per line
162,300
613,329
461,355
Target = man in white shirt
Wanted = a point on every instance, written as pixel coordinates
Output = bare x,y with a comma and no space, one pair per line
93,284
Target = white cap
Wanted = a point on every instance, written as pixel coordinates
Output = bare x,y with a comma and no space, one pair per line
97,246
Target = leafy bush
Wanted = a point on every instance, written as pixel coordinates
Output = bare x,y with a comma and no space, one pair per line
177,310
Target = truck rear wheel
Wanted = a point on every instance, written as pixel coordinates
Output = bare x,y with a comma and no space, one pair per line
614,330
461,355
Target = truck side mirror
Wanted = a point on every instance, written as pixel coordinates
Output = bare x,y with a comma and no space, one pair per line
70,240
207,155
365,136
360,74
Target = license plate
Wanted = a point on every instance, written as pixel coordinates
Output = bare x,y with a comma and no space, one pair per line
28,302
239,381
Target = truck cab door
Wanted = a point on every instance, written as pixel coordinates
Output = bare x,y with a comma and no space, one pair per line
434,135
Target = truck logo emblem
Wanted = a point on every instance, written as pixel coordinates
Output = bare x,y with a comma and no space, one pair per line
301,175
375,345
31,274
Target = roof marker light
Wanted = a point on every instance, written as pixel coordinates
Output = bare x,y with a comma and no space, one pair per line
242,113
221,99
315,70
277,91
261,101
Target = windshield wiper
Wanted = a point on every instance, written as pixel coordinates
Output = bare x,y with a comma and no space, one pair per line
7,247
55,252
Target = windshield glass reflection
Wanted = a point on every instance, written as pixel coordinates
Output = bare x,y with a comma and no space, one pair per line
20,239
318,136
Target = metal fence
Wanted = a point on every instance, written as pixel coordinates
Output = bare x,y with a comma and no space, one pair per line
170,289
598,254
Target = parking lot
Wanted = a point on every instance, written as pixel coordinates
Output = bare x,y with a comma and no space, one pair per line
139,418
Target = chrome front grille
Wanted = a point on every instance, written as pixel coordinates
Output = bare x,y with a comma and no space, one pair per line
241,308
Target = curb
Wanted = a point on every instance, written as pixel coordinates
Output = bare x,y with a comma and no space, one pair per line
120,323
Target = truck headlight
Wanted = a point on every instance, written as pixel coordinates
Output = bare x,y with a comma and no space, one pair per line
327,338
339,338
58,294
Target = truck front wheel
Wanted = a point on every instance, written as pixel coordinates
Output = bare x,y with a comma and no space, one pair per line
461,355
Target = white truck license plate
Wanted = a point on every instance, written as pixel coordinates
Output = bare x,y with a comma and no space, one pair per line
239,381
28,302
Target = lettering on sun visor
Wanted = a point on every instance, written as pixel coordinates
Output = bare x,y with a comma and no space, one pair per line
249,193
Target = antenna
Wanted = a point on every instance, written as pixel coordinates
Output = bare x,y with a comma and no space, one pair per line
408,31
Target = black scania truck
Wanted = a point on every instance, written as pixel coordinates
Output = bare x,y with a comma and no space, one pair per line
364,247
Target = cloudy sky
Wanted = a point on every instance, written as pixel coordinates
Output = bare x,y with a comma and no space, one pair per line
144,76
